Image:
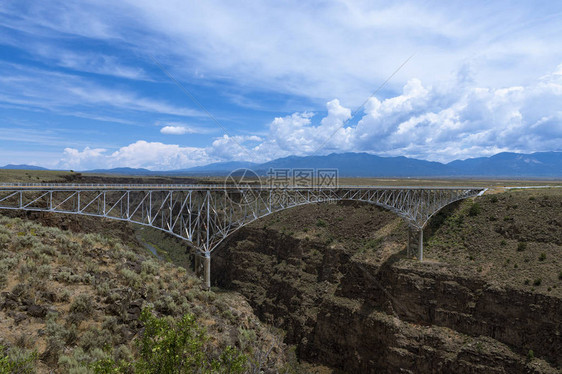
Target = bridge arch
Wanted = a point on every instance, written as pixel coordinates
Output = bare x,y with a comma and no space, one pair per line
383,206
205,216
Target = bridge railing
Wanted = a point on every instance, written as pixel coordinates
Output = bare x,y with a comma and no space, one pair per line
113,186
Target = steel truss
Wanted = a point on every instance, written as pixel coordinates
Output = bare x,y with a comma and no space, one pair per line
205,215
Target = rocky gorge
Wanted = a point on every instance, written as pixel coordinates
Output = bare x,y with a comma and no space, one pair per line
359,305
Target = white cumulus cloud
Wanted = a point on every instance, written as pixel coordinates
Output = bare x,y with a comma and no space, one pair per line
141,154
176,130
439,123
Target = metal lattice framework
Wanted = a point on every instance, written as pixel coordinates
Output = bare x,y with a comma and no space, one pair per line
205,215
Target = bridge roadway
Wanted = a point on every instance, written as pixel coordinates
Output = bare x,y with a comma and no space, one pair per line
205,215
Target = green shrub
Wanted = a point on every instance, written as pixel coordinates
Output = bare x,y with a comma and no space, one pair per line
82,304
474,210
373,243
25,241
246,337
521,246
95,339
537,282
4,238
25,340
88,241
123,353
3,280
27,269
65,275
150,267
56,339
103,289
130,255
44,271
542,257
46,249
65,295
166,305
17,360
75,363
132,279
91,267
321,223
95,361
172,346
458,221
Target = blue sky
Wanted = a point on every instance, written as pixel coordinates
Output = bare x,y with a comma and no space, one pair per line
81,85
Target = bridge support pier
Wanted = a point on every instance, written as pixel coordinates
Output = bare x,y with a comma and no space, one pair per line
203,268
207,270
420,246
415,243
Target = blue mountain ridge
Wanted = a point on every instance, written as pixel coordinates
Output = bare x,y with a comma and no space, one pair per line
506,164
22,167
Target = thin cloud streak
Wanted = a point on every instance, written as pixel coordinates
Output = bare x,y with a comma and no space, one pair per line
58,91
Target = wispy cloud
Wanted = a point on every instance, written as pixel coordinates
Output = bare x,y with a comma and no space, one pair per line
54,91
345,49
340,49
42,138
91,62
102,118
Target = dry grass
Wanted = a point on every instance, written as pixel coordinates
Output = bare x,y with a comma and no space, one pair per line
62,291
515,239
446,182
39,176
32,176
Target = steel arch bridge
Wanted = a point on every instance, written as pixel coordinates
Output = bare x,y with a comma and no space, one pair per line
204,215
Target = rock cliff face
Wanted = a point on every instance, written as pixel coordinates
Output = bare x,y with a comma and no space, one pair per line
395,316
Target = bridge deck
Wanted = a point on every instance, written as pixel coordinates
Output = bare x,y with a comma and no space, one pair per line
200,187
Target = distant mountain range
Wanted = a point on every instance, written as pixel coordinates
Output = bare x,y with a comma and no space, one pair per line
508,165
22,167
512,165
